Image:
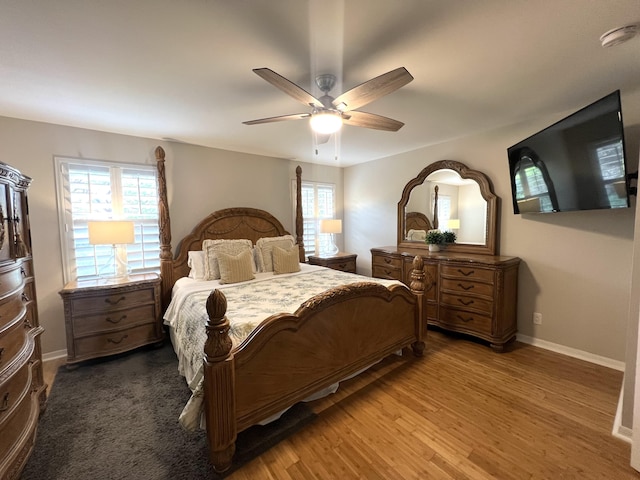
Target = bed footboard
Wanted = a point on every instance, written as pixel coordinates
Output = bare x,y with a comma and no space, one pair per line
288,357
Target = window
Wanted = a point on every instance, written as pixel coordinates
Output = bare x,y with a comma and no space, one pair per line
611,161
96,190
318,202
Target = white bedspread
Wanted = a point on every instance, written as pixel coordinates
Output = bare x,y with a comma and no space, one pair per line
248,304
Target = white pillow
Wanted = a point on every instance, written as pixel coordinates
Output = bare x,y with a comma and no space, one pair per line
265,246
417,235
211,249
196,263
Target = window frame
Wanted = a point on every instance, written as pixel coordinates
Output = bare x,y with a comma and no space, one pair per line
62,165
321,241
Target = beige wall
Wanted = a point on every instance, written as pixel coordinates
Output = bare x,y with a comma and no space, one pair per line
200,180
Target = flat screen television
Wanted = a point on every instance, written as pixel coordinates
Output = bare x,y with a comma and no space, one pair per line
578,163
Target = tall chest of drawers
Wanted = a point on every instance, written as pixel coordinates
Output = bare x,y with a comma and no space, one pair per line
22,388
466,293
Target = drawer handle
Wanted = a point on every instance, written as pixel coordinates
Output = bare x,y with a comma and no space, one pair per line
114,302
25,298
466,274
5,403
23,271
111,340
27,323
467,319
387,260
111,320
342,266
465,288
1,352
465,303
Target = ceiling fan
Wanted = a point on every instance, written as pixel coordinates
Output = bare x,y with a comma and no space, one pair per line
328,113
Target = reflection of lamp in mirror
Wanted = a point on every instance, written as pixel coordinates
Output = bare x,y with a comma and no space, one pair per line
331,226
453,224
114,233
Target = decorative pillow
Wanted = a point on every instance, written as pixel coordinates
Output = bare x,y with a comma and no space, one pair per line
196,263
212,248
417,235
285,261
235,268
265,246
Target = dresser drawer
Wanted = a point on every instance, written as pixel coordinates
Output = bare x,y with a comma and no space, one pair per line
87,324
389,273
12,338
387,261
465,321
115,342
10,281
111,301
16,419
467,303
468,273
467,287
14,388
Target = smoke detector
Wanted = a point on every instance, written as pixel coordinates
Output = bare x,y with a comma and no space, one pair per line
618,35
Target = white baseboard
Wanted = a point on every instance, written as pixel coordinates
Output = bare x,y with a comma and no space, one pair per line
572,352
54,355
620,432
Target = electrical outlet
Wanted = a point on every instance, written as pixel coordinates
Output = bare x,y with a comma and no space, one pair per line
537,318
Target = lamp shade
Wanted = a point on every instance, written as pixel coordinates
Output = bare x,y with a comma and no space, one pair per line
453,224
331,226
113,232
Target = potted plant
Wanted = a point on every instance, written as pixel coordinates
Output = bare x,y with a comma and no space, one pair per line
435,238
449,237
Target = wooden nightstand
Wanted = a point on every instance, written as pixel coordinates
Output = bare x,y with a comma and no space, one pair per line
345,262
105,317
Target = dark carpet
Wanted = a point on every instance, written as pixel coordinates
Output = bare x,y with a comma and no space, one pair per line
118,419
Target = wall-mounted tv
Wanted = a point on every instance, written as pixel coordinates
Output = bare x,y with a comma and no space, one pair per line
577,163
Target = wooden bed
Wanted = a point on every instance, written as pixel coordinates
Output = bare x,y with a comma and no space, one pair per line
287,357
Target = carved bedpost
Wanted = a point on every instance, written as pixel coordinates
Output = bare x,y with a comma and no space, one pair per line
219,384
299,220
435,208
417,287
166,257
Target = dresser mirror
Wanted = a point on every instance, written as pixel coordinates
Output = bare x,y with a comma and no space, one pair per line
447,195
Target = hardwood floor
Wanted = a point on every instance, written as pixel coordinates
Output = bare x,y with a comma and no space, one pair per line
461,412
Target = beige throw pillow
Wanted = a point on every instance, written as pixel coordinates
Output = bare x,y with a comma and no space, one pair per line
285,261
235,268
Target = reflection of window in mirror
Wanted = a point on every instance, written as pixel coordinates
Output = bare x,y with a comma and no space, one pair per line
534,189
444,210
610,157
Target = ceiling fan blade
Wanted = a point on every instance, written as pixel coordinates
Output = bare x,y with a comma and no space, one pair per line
288,87
294,116
372,89
371,120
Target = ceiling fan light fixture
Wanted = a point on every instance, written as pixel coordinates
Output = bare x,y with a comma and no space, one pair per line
326,122
619,35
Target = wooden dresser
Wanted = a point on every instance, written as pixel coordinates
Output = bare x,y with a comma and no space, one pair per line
345,262
105,317
22,388
466,293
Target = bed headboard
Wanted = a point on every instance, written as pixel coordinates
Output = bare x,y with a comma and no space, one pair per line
417,221
228,223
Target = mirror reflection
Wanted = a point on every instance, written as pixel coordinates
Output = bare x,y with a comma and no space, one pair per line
447,202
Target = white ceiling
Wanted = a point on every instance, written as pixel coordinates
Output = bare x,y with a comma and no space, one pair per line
182,69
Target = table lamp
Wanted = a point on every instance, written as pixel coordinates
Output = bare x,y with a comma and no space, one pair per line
331,226
114,233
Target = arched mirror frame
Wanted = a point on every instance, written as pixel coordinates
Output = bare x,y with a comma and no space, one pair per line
486,190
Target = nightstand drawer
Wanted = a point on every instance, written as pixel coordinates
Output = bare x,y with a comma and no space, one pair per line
344,262
112,301
347,266
83,325
115,342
